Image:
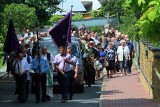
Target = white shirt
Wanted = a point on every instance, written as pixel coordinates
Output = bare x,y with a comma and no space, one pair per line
26,36
51,60
75,62
24,66
59,60
29,66
120,52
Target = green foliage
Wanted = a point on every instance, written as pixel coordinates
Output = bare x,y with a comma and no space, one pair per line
95,29
149,21
112,6
22,15
77,16
127,23
44,8
100,13
55,18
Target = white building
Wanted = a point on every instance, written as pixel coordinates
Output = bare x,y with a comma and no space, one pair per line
66,7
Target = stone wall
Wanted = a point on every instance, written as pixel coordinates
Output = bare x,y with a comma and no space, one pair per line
150,68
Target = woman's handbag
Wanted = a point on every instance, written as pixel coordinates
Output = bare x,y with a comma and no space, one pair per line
106,63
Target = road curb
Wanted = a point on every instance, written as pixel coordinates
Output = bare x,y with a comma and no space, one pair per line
102,92
3,70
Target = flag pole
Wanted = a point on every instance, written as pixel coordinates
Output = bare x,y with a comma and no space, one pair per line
38,46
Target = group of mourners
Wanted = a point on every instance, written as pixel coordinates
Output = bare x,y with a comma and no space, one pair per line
36,65
113,51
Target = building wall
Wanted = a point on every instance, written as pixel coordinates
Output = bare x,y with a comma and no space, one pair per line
149,66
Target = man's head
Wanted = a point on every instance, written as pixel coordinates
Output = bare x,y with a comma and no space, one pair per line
28,31
126,36
69,49
44,50
38,54
61,50
24,50
127,40
20,56
22,39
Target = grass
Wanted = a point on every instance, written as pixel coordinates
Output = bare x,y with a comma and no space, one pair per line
1,63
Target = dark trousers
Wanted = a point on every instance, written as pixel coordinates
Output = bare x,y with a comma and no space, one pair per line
71,83
130,65
63,84
33,83
88,77
40,80
27,88
21,86
93,74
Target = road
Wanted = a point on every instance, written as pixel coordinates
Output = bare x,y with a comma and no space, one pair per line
90,97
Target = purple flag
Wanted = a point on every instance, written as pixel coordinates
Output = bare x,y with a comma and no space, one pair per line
11,43
61,32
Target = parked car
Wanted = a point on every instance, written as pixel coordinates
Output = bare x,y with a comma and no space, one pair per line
76,51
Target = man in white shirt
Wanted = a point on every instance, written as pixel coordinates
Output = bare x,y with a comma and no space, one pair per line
62,65
72,74
21,69
28,34
28,59
49,85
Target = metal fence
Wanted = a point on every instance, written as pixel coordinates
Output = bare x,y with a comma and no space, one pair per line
98,21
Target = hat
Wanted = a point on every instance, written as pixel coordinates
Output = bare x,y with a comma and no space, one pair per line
91,42
103,31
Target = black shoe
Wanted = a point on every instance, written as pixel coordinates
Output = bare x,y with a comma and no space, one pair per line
89,85
43,100
70,98
18,98
63,101
22,101
37,101
48,98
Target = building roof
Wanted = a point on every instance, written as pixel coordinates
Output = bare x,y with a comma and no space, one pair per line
95,3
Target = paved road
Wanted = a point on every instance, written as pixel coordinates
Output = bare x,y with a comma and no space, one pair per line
90,97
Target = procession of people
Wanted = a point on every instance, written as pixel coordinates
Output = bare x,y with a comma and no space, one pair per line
103,55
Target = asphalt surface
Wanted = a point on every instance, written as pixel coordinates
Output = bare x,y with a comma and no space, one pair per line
90,97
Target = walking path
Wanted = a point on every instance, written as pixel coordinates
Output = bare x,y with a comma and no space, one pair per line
126,91
3,71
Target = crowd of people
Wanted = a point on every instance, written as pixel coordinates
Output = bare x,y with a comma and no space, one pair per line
112,52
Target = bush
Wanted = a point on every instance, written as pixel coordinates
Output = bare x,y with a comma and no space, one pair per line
55,18
95,29
77,16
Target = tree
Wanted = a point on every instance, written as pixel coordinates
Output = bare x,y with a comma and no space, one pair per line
112,6
127,23
23,16
44,8
149,21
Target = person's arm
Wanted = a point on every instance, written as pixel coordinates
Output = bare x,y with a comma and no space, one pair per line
46,66
34,65
56,63
128,53
117,54
68,59
76,68
133,53
76,71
